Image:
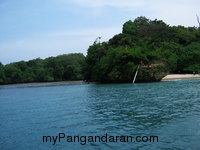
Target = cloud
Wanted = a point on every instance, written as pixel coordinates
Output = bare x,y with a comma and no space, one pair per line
173,12
87,32
111,3
54,43
80,22
177,12
133,3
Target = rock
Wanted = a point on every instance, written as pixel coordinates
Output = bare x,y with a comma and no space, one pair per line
152,73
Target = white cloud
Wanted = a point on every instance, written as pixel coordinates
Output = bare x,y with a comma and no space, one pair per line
177,12
88,32
53,44
96,13
103,3
173,12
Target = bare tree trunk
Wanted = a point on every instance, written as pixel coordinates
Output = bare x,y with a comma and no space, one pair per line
198,21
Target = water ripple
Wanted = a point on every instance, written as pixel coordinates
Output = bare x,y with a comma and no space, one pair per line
168,109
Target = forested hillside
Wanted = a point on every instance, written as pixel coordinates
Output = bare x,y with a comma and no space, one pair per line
60,68
162,48
152,41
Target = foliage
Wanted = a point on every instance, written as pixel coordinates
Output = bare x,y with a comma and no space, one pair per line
152,41
60,68
165,48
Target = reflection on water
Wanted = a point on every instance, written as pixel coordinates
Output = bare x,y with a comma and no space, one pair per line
38,85
169,110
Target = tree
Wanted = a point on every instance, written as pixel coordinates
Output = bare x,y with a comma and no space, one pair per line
164,48
12,74
130,28
2,74
62,67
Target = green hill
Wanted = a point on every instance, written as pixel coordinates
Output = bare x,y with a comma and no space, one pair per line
162,48
60,68
165,49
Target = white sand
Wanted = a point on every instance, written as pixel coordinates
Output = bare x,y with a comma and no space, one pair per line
180,77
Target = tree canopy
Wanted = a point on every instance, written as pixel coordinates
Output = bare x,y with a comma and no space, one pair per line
174,49
143,39
60,68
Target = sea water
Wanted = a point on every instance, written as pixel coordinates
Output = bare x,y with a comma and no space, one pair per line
31,112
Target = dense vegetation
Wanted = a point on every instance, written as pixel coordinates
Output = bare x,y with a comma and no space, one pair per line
60,68
152,41
174,49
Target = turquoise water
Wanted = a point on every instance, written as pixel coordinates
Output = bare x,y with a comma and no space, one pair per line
170,110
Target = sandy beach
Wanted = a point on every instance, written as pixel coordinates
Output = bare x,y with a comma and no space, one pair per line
180,77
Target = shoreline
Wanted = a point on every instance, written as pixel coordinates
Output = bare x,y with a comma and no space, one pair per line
172,77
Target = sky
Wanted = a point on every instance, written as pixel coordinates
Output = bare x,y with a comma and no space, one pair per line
42,28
